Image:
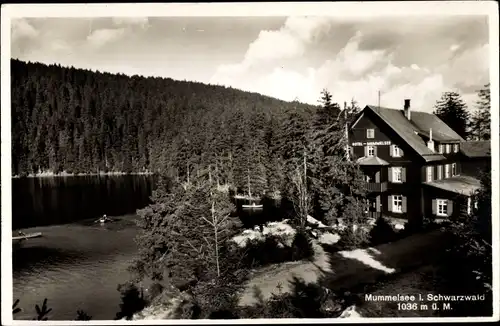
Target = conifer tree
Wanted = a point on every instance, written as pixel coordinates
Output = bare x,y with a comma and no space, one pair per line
337,179
453,111
480,125
185,232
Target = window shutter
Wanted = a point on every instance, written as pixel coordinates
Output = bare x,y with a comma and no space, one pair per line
377,203
433,174
389,176
449,208
375,151
377,176
366,151
403,174
401,153
389,207
434,207
404,204
391,150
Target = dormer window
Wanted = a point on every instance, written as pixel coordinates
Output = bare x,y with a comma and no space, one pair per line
455,148
370,133
448,148
441,148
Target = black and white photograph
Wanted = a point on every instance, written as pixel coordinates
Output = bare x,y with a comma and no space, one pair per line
288,162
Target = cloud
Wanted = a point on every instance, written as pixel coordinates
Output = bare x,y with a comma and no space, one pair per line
143,22
403,62
290,41
21,28
101,37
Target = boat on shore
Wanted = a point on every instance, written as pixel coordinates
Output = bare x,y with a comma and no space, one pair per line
21,236
18,240
252,206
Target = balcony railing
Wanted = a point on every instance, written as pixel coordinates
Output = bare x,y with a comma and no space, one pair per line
376,186
374,214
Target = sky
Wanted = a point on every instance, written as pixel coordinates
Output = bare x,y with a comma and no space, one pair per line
415,57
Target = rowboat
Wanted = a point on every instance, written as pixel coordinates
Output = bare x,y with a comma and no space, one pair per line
23,236
104,219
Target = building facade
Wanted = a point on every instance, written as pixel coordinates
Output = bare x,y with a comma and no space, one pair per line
412,164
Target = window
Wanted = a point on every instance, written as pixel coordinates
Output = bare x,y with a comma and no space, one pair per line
446,171
370,133
397,174
441,148
448,148
442,207
453,169
397,204
439,172
455,148
396,151
429,173
370,151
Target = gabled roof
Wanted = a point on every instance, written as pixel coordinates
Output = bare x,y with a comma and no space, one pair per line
476,148
420,123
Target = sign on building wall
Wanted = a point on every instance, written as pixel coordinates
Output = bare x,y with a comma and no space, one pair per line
374,143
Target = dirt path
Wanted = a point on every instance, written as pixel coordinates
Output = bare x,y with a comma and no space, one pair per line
348,268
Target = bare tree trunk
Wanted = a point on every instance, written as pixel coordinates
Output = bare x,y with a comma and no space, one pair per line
217,173
301,198
215,224
230,172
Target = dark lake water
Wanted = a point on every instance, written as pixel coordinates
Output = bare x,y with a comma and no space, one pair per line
59,200
78,264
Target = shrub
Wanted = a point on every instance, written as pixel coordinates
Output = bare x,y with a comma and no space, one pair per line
302,246
269,251
153,291
382,232
273,250
306,300
132,301
351,238
417,226
41,313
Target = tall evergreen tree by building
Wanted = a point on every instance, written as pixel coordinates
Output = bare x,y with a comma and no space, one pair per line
453,111
480,125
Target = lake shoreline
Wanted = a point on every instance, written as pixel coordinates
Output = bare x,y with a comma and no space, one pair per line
64,174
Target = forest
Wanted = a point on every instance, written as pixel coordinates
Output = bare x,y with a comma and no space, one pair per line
80,121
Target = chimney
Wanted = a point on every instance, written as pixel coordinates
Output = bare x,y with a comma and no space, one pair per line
430,143
407,109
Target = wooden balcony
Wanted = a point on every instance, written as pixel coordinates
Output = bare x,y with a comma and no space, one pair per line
376,186
374,214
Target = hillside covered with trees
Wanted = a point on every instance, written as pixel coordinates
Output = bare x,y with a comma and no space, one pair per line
80,121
